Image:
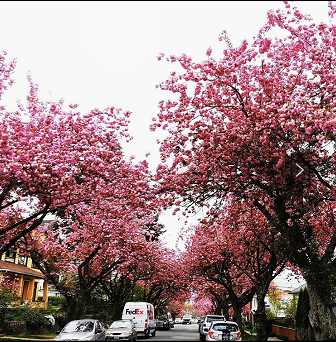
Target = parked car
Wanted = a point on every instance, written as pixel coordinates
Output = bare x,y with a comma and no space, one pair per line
178,320
82,330
205,325
224,331
171,322
123,329
162,323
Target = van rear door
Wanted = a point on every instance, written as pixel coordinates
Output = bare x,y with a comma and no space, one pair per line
137,313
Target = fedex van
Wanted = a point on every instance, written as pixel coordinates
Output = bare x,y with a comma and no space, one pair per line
142,314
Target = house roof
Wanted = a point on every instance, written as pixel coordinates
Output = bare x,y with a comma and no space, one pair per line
297,289
19,269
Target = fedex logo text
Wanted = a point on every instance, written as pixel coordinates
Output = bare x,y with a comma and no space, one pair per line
134,312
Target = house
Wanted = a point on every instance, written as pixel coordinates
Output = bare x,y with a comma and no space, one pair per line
296,291
286,282
20,268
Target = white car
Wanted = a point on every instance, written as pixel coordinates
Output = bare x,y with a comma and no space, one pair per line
121,330
224,331
178,320
205,325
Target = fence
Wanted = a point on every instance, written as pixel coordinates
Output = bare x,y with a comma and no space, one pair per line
284,331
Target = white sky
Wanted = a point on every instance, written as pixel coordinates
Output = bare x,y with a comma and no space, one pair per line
103,53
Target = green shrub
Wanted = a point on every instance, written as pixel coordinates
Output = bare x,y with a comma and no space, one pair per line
15,313
247,325
61,320
57,301
35,319
248,337
104,316
287,322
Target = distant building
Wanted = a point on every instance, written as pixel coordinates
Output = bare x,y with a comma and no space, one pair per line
52,291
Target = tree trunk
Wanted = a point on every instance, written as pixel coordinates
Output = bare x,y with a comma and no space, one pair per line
218,310
75,308
237,316
321,316
261,317
118,306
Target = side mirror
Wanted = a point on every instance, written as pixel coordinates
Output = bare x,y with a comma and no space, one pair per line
206,329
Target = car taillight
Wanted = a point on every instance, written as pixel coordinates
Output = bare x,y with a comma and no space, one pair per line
239,335
146,322
211,333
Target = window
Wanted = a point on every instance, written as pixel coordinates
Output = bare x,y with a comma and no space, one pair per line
10,255
23,260
225,327
35,291
33,265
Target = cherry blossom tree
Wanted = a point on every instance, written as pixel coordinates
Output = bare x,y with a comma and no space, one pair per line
216,267
176,305
259,124
235,251
92,243
202,305
52,158
168,283
210,298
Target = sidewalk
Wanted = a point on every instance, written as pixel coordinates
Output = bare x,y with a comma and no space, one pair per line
273,338
12,338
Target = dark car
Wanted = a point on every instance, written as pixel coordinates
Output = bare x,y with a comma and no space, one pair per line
162,323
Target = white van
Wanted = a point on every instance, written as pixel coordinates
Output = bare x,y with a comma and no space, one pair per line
142,314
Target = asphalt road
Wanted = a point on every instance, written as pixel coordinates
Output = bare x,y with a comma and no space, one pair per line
180,332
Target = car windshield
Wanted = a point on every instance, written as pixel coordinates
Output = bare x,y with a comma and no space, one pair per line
225,327
78,326
211,319
120,324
